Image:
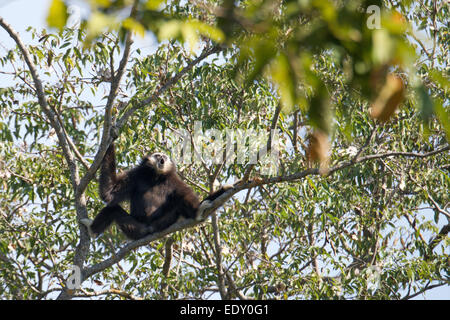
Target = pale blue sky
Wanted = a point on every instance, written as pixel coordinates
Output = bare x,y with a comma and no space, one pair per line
23,13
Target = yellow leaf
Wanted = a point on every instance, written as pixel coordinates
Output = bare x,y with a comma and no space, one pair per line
190,36
99,23
153,4
57,14
135,26
208,31
101,3
281,74
383,47
169,30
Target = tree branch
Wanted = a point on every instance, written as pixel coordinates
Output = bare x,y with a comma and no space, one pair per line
218,256
206,53
50,114
107,139
268,147
239,186
107,292
423,290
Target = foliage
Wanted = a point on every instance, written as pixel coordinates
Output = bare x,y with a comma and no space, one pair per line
372,225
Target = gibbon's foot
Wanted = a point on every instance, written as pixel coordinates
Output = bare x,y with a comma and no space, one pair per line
87,223
227,186
204,205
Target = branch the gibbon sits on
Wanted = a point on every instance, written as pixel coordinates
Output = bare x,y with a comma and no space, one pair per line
158,197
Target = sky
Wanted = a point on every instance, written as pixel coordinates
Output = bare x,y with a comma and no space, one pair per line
23,13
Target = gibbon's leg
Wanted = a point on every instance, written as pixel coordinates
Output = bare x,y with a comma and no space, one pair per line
167,214
102,221
219,192
132,228
163,220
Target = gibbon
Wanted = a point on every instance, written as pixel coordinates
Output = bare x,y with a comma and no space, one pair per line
158,197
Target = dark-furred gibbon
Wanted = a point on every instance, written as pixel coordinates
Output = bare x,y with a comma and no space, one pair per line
157,195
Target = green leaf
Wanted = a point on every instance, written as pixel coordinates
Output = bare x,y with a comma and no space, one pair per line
98,23
443,116
425,103
281,73
383,47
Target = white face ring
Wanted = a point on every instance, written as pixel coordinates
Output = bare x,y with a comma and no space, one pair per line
161,162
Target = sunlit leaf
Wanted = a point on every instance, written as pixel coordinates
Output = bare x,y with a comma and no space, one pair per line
135,26
282,75
190,36
99,23
57,14
208,31
170,30
383,47
153,4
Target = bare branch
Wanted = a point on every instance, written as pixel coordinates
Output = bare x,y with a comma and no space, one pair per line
268,147
423,290
218,256
123,294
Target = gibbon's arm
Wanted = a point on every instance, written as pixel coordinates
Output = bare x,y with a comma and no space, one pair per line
218,193
113,188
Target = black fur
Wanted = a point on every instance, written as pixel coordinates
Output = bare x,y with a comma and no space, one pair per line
157,199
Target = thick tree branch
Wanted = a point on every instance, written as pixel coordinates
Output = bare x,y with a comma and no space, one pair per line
440,236
239,186
82,248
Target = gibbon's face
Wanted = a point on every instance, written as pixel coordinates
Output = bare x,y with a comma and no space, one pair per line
158,161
